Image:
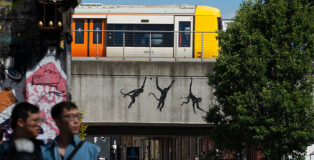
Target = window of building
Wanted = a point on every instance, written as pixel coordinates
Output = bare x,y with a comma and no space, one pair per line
176,147
198,146
79,33
190,146
182,148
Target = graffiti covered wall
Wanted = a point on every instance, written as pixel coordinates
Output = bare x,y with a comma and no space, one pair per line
45,87
30,55
11,92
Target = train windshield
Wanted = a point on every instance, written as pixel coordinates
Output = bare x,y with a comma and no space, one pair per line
219,23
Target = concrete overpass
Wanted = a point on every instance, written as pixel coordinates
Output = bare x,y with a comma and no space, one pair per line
123,95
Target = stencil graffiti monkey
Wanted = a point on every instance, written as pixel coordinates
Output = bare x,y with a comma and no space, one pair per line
195,100
163,94
134,93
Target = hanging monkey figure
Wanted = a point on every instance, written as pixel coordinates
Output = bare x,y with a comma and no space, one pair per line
134,93
194,99
163,94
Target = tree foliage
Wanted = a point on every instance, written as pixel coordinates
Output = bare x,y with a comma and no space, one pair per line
263,80
83,127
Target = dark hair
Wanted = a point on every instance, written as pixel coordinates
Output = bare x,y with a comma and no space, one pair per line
22,110
57,110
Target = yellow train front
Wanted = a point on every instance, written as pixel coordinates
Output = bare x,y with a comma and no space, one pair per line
156,31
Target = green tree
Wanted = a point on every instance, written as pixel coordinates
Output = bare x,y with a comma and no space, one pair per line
263,80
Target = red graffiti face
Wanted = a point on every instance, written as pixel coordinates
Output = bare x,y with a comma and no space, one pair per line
45,87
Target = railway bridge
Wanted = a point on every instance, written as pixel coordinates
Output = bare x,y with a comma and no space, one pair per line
155,104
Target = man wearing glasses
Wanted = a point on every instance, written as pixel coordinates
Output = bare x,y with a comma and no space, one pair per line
67,145
25,122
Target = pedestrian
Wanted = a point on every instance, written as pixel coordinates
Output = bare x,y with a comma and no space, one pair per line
1,135
25,121
22,149
67,145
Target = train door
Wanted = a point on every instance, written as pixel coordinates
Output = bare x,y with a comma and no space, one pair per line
80,40
97,40
183,36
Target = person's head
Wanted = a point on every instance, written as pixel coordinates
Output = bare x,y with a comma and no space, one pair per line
67,117
25,119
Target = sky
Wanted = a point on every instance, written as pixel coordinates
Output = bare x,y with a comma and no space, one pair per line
228,8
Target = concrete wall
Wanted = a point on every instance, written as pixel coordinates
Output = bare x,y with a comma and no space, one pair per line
97,85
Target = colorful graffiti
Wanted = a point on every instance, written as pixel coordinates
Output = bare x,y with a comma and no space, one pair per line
45,87
11,92
7,98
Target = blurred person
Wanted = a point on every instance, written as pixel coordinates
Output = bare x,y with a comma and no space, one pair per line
22,149
67,145
1,135
25,121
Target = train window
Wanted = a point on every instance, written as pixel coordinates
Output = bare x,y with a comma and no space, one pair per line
140,39
157,39
97,26
115,38
79,33
118,35
219,23
185,37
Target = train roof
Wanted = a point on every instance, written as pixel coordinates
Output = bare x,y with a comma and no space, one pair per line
96,8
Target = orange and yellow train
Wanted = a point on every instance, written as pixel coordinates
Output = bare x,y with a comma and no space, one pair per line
181,31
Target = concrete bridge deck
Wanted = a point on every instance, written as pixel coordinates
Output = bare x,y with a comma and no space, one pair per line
110,94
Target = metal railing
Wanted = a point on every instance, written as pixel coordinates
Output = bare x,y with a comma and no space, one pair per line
149,45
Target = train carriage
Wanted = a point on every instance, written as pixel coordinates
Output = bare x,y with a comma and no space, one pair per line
180,31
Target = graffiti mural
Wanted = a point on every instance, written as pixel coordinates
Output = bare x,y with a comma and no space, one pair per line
134,93
163,94
195,100
45,87
11,92
27,71
7,99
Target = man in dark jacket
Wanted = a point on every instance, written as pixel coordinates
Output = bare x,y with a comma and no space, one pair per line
25,122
